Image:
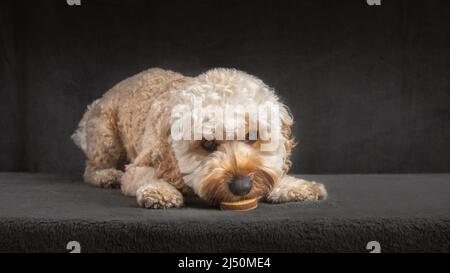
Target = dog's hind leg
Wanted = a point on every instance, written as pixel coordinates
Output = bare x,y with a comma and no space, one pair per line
104,149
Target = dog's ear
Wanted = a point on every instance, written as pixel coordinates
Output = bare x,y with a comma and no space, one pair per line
165,162
166,165
286,131
157,151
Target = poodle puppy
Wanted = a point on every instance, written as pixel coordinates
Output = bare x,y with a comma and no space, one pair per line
128,138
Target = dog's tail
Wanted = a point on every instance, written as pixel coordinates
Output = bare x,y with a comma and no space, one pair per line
79,136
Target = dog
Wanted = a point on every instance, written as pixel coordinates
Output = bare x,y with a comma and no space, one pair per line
127,138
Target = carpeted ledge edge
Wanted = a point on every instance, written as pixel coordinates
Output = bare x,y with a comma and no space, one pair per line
317,235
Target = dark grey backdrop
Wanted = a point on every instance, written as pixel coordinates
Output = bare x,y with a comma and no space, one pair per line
369,86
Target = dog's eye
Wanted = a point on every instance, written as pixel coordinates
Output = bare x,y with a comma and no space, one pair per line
209,145
250,141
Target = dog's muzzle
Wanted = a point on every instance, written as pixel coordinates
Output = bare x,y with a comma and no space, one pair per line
240,186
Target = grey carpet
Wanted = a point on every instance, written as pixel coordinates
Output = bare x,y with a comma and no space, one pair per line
42,212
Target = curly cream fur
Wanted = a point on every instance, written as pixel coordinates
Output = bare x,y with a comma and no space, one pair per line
132,121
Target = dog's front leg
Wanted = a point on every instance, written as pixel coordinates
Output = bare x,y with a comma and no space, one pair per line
150,191
292,189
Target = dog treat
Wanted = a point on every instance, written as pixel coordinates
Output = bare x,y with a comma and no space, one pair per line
244,205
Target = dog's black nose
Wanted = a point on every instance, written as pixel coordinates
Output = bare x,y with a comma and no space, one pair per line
240,185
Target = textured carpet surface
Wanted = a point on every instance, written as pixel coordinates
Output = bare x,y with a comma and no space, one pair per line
42,212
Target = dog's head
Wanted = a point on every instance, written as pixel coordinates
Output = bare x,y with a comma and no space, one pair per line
229,158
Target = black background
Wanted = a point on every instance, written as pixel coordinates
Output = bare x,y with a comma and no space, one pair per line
369,86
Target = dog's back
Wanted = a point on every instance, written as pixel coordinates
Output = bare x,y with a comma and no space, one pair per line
125,107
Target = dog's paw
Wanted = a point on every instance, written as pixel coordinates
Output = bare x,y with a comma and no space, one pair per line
292,189
106,178
159,195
